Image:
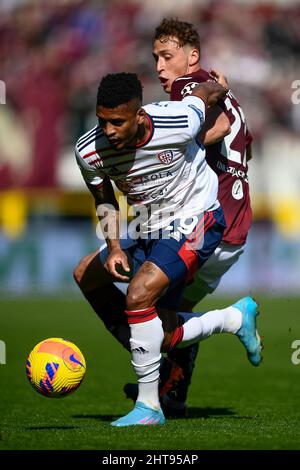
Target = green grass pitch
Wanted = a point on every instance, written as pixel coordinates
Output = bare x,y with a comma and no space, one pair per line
232,405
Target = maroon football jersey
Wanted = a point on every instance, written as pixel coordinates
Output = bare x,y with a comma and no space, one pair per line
228,159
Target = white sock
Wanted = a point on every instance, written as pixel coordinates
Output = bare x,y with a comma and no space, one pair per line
199,326
146,340
233,319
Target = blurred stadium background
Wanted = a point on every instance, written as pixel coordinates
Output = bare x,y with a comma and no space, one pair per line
52,56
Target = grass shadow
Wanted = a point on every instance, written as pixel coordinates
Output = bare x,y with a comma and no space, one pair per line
98,416
208,412
193,412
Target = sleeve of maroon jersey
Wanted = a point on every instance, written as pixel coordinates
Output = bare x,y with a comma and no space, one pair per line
183,86
249,137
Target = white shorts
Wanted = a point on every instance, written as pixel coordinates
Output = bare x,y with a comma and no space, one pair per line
210,274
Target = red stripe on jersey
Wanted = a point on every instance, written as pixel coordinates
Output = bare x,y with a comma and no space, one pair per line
106,156
95,151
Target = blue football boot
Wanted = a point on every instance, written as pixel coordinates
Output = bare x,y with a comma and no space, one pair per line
141,415
248,334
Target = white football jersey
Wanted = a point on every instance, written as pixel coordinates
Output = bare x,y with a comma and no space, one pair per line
167,173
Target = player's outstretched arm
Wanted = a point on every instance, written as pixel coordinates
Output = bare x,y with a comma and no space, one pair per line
108,214
210,92
215,127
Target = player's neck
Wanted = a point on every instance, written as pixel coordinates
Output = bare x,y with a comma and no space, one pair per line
194,68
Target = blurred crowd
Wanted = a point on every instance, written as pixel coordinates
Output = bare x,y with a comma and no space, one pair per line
54,52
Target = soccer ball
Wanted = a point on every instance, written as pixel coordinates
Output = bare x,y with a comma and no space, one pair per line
55,367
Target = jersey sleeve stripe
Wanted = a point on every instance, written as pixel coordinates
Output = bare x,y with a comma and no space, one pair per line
86,136
171,127
170,117
85,144
181,121
90,134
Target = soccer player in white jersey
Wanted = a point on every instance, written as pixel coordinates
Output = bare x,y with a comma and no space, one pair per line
151,155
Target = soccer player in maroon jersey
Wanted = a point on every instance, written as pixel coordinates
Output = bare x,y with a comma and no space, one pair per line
176,50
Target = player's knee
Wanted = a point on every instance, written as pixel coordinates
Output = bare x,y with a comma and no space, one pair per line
137,297
80,270
80,273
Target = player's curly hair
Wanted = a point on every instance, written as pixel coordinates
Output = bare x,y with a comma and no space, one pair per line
119,88
185,32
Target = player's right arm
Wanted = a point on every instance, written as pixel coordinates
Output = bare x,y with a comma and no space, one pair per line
107,208
109,215
216,126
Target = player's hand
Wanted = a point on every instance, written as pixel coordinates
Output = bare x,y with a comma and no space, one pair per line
221,79
117,259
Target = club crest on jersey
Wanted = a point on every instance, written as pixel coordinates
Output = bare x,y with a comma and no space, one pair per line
188,88
166,157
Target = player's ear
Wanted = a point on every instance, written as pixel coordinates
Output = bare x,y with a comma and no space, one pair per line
140,116
194,57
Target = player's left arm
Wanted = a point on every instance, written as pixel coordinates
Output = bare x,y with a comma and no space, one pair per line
249,152
215,127
249,140
217,124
